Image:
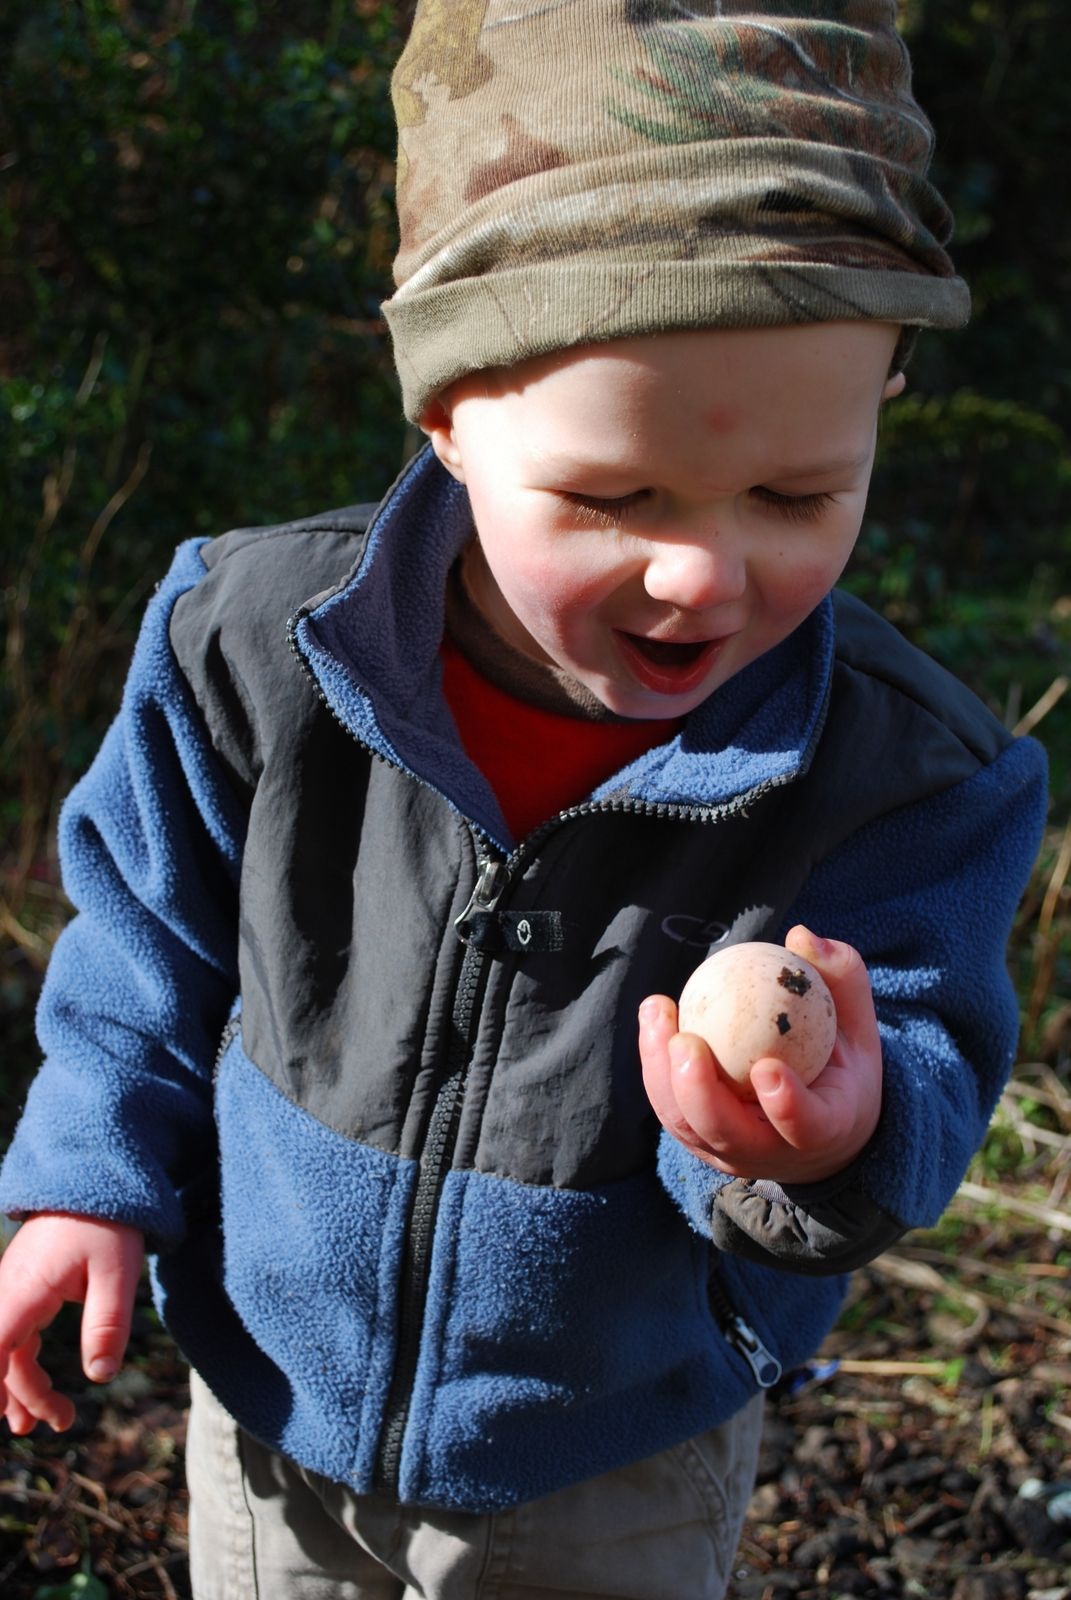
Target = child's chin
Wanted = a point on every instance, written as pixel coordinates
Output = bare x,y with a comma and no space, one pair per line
640,704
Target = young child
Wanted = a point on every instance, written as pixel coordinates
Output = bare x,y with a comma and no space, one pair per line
408,812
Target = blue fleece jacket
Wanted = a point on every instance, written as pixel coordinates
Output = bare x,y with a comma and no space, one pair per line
411,1215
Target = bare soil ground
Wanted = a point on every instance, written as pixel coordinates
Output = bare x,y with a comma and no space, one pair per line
899,1474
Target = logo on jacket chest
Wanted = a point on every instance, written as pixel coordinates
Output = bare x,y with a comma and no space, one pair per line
694,931
704,933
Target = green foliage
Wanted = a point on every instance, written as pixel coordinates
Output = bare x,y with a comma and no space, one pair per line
197,227
969,540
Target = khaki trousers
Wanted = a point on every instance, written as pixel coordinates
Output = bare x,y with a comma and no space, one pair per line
262,1528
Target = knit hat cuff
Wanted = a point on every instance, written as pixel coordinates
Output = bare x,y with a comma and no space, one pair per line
453,328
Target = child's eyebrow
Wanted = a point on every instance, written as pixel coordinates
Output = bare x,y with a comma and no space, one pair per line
824,469
570,465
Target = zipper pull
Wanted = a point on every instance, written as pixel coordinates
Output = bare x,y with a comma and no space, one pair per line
491,881
763,1363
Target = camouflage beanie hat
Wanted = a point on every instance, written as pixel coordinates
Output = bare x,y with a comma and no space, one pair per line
572,171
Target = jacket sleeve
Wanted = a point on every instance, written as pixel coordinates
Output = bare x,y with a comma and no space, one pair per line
119,1119
927,894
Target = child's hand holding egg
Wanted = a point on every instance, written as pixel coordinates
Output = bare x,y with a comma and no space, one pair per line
761,1003
755,1000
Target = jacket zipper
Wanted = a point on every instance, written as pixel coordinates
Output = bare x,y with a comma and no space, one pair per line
436,1159
764,1365
493,876
226,1039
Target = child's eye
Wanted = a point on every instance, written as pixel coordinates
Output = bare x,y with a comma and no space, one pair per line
604,510
794,507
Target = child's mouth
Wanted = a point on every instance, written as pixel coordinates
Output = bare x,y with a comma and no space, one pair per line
668,666
667,652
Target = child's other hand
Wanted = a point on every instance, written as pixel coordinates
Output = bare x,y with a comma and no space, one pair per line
793,1134
52,1258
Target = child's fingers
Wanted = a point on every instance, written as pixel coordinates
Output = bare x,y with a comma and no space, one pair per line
662,1052
27,1305
658,1024
803,1117
845,972
18,1418
689,1097
51,1259
109,1306
729,1125
30,1392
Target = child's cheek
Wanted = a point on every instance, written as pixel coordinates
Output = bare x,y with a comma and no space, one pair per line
802,581
561,586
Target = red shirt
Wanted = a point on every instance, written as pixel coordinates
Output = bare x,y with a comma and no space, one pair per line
538,762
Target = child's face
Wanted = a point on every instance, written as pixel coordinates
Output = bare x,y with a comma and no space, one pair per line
655,513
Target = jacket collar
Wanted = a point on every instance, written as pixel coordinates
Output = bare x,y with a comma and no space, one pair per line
373,647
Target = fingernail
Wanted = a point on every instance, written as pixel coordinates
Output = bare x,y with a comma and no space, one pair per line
101,1370
650,1010
764,1079
681,1058
817,947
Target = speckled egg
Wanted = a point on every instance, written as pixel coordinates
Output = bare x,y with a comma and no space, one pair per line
754,1000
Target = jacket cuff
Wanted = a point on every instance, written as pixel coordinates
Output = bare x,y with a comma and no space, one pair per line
762,1222
818,1229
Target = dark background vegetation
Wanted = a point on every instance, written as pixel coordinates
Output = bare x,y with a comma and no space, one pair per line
196,232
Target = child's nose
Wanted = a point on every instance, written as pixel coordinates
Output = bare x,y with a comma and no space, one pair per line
695,573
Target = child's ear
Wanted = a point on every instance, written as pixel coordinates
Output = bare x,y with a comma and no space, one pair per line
438,423
894,385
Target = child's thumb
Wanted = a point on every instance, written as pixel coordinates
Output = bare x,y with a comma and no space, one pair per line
108,1311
